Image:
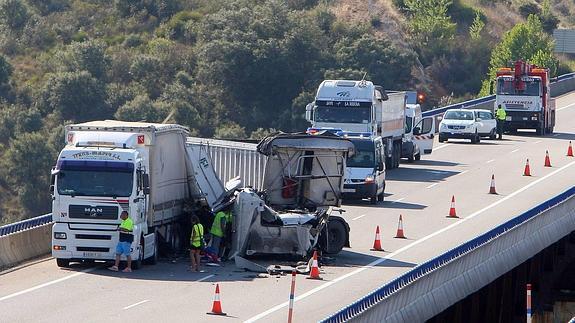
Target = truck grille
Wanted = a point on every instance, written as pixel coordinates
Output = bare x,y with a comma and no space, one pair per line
93,237
93,212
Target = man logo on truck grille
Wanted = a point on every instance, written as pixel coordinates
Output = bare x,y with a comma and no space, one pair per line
343,94
93,212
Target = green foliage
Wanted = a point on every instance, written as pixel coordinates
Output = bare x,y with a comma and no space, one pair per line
431,26
25,164
75,95
5,71
230,131
162,9
46,7
87,56
14,14
476,27
261,133
139,109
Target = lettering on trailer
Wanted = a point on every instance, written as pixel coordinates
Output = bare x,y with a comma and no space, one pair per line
517,102
100,155
342,104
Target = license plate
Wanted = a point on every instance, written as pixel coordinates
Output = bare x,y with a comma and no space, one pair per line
92,254
525,118
349,190
508,118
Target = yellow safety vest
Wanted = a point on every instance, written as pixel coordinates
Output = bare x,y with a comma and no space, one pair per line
127,224
196,239
500,114
217,225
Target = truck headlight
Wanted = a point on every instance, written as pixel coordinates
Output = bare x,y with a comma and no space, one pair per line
60,235
534,118
369,179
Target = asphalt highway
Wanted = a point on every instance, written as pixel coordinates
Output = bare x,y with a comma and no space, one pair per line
421,192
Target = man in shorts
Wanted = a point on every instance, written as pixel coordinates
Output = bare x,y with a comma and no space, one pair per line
124,245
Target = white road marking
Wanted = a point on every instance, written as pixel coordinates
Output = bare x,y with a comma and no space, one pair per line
490,161
463,172
207,277
556,135
441,146
358,217
432,185
25,291
567,106
409,246
138,303
399,200
538,141
514,151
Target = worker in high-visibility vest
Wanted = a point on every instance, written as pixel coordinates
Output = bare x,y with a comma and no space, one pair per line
124,246
500,115
218,230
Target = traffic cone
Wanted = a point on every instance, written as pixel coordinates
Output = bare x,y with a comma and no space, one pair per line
314,273
217,306
527,171
377,242
400,234
570,150
452,213
547,160
492,188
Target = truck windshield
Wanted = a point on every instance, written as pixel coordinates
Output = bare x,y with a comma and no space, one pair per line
95,178
505,86
364,154
343,114
458,115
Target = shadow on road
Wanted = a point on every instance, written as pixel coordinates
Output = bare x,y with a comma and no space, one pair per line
420,174
347,258
427,162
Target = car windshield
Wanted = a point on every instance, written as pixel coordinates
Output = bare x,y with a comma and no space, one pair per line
95,178
458,115
408,124
364,154
505,86
343,114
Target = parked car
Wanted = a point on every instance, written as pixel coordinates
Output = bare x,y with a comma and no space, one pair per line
487,125
459,124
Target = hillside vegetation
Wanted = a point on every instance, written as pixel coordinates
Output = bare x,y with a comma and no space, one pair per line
234,68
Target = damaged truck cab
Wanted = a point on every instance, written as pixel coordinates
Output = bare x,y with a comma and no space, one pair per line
303,181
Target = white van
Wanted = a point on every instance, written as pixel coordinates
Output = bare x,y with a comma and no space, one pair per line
365,171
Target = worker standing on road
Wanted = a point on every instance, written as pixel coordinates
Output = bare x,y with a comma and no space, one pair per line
196,243
500,115
124,245
218,229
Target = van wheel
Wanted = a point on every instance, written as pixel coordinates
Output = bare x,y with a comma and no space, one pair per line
418,156
380,196
63,263
493,135
373,199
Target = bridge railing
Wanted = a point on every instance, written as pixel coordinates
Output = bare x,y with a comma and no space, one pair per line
436,263
25,224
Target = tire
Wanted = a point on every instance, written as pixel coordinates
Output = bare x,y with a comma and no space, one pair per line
373,200
336,237
418,156
63,263
478,139
381,196
410,159
137,264
493,134
474,139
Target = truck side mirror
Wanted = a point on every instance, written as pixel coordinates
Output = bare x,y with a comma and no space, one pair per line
309,112
146,180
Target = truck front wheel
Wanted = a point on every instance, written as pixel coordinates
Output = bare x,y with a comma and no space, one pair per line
63,263
333,238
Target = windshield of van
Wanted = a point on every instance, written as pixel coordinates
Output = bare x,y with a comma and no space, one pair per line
458,115
95,178
364,154
343,114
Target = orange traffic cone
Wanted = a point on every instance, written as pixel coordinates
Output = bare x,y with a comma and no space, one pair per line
217,306
377,242
527,171
452,213
314,273
570,150
547,160
492,188
400,229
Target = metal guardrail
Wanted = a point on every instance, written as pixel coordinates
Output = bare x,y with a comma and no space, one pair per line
481,100
26,224
436,263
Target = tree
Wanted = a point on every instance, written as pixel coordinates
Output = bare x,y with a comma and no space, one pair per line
5,74
87,56
141,108
13,14
476,27
27,162
46,7
77,96
230,131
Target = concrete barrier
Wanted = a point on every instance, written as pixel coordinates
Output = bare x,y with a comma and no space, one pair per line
25,245
443,287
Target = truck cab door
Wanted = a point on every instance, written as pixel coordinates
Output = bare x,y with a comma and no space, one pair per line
423,134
